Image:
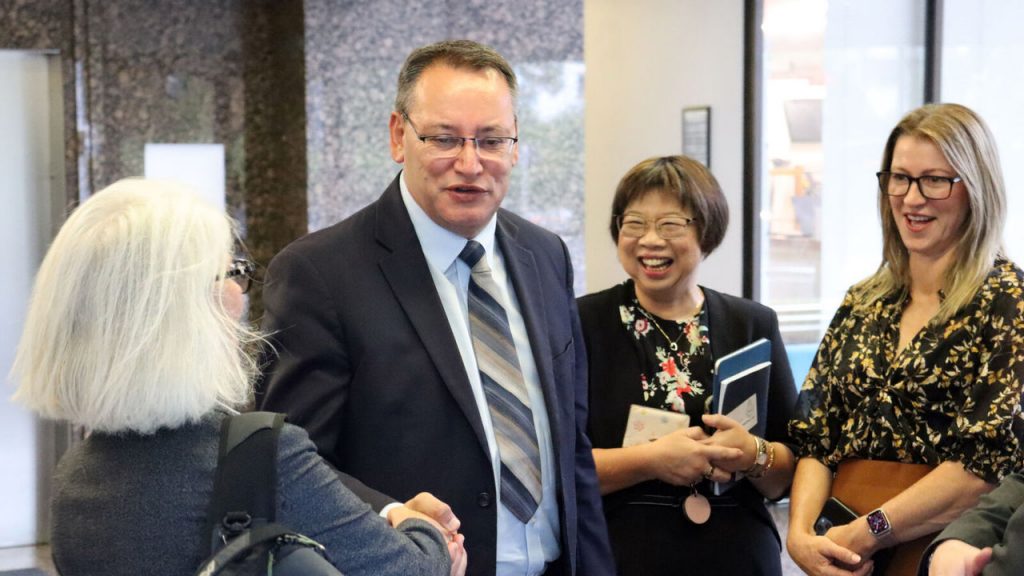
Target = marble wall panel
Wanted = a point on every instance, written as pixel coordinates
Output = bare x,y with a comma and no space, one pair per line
182,71
49,25
275,130
166,71
260,76
354,50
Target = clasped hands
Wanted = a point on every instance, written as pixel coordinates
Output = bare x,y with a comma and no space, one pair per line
844,550
429,508
689,455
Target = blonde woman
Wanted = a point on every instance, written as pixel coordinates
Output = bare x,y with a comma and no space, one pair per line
133,333
923,362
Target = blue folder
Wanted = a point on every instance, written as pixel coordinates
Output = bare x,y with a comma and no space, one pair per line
738,376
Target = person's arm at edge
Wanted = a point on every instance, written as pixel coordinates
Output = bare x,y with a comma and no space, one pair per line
594,556
997,520
313,501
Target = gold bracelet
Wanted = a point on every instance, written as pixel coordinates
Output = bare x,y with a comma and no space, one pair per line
771,457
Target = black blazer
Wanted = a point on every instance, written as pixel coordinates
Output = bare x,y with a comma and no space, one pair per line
614,367
367,363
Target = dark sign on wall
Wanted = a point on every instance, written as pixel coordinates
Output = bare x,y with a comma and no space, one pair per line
697,133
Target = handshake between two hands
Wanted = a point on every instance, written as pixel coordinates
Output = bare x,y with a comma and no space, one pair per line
427,507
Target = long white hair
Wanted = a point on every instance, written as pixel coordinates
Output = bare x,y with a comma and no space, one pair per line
126,329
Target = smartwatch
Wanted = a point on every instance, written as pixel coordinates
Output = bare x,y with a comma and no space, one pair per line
878,523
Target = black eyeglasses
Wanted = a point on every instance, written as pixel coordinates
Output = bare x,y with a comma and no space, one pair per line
449,145
633,226
240,272
931,186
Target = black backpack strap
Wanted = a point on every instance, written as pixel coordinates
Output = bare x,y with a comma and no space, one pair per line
245,482
240,545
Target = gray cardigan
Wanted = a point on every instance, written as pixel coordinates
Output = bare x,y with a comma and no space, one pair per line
136,504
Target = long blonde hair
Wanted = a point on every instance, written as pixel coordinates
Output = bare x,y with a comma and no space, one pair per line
968,146
126,329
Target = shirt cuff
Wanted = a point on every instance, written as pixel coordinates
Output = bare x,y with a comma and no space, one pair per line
384,511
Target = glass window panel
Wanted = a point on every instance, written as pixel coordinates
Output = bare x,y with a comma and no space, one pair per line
838,75
981,51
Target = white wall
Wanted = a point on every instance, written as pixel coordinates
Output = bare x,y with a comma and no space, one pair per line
26,225
646,60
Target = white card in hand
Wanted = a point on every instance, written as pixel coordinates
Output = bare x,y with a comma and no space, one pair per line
647,424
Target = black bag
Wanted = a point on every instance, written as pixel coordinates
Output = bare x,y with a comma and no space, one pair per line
244,537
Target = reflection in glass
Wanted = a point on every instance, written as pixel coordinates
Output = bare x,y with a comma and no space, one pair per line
981,53
837,78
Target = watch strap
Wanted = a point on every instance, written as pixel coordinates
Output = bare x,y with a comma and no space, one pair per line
760,465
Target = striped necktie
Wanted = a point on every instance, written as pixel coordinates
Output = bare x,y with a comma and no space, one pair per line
504,387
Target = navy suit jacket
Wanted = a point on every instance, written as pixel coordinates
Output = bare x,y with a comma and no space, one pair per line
367,363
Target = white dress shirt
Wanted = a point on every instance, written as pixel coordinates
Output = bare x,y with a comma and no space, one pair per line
523,549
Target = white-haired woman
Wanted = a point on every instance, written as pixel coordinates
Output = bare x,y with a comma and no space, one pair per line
134,334
923,363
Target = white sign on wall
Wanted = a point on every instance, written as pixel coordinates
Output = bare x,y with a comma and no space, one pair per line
200,166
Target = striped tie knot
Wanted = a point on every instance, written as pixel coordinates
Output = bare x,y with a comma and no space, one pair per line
472,253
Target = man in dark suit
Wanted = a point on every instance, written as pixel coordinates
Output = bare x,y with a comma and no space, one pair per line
416,364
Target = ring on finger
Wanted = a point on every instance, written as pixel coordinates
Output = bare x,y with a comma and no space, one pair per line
709,471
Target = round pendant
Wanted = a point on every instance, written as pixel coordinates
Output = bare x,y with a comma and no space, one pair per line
673,346
697,508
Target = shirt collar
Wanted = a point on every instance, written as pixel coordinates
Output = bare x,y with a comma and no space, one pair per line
441,247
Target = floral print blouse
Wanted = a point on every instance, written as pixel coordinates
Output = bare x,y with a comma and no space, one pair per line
677,380
952,394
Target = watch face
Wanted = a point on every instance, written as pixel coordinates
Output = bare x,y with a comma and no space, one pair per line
878,523
762,453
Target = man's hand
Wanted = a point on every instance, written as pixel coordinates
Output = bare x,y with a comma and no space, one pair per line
958,558
460,558
426,506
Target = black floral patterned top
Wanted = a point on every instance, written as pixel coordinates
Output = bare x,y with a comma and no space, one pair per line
952,394
676,379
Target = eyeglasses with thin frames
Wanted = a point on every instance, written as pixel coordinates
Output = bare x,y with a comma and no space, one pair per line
667,228
930,186
450,146
241,272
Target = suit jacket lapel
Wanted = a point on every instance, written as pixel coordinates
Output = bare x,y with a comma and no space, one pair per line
405,270
522,268
725,337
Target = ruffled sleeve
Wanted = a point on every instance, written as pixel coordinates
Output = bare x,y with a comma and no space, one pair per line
988,426
818,417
